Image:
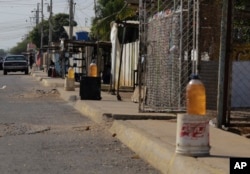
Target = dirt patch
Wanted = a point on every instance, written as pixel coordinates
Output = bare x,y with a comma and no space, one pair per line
13,129
36,94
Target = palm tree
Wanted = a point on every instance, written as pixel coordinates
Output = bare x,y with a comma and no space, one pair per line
106,12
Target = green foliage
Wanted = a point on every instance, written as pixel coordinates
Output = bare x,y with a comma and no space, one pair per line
241,25
35,36
106,12
58,21
242,4
20,48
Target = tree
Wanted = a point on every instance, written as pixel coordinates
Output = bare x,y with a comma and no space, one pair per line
20,48
34,36
106,12
241,25
58,21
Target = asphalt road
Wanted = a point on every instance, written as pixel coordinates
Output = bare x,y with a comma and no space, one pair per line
40,133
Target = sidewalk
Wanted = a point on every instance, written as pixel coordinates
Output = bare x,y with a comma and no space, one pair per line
153,135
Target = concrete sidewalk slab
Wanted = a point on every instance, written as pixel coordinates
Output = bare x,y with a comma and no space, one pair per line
153,135
108,108
155,141
120,109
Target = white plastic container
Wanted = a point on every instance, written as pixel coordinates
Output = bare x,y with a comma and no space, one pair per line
192,138
69,84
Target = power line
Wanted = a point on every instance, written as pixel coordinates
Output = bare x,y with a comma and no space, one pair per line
18,15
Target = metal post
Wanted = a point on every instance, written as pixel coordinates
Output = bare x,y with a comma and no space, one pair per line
71,17
50,24
37,14
225,43
114,71
120,65
41,45
196,8
46,64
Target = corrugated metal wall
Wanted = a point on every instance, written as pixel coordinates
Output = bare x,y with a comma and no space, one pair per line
129,63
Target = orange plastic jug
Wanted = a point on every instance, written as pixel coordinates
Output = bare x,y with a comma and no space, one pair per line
196,97
71,73
92,70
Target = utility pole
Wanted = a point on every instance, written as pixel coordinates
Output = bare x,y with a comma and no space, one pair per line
37,14
41,45
50,23
95,7
71,18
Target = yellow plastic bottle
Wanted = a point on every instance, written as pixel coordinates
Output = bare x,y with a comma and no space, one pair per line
196,97
71,73
92,70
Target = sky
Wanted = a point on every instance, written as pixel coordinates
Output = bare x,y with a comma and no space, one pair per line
17,17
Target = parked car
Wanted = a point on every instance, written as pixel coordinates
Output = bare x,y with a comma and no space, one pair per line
1,63
14,63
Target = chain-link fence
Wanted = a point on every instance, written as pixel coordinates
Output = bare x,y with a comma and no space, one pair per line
180,37
169,50
239,95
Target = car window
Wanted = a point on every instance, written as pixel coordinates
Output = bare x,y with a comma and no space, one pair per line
9,58
20,58
15,58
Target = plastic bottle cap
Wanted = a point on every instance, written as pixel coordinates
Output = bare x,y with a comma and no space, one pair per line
195,76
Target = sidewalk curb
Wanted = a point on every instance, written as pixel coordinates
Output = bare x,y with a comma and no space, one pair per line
49,83
160,155
148,148
91,112
96,114
153,136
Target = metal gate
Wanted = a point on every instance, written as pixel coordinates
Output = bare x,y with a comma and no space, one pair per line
168,53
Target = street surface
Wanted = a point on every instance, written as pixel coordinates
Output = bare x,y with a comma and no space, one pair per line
42,134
